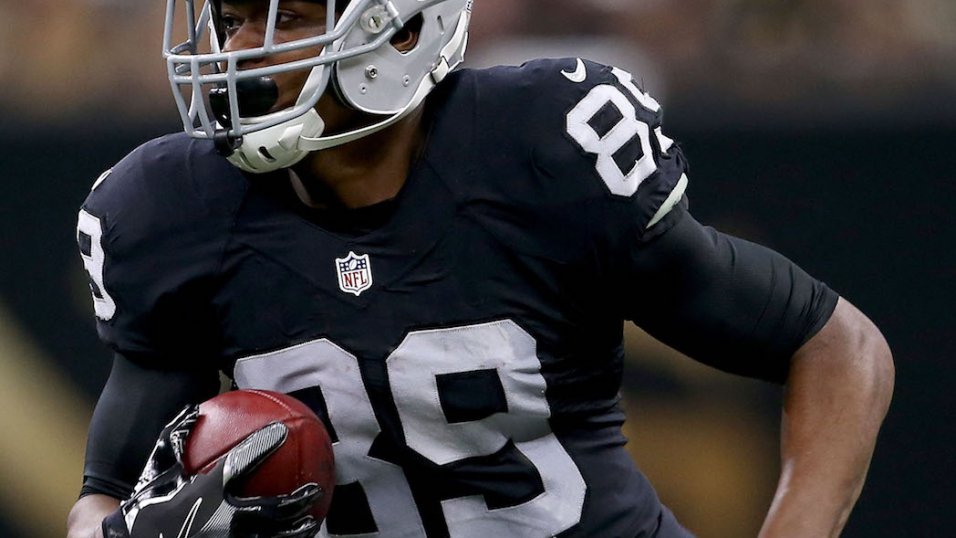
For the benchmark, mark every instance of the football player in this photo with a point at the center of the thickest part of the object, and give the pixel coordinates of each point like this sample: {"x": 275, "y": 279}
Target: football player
{"x": 439, "y": 261}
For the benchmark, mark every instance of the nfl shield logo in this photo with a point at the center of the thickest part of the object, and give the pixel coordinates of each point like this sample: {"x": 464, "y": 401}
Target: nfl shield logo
{"x": 355, "y": 273}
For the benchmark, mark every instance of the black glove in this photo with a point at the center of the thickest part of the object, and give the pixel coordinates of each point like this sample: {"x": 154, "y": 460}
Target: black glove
{"x": 169, "y": 504}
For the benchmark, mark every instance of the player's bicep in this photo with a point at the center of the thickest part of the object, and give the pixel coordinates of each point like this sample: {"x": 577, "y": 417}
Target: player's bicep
{"x": 135, "y": 404}
{"x": 727, "y": 302}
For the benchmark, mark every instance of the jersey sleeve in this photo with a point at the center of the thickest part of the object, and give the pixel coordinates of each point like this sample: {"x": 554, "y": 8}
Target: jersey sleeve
{"x": 609, "y": 204}
{"x": 151, "y": 246}
{"x": 571, "y": 156}
{"x": 599, "y": 129}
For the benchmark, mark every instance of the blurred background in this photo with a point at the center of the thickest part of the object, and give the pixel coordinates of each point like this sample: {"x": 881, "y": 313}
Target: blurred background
{"x": 825, "y": 129}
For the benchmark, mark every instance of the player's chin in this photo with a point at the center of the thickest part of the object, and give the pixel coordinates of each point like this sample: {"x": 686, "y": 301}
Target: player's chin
{"x": 290, "y": 87}
{"x": 282, "y": 104}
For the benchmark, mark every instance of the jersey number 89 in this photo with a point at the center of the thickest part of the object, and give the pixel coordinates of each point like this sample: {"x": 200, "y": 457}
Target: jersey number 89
{"x": 415, "y": 370}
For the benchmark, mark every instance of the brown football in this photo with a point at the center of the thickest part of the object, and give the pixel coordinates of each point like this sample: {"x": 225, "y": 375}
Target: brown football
{"x": 305, "y": 456}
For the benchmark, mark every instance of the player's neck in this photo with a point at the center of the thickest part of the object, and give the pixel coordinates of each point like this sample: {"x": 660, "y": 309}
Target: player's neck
{"x": 362, "y": 172}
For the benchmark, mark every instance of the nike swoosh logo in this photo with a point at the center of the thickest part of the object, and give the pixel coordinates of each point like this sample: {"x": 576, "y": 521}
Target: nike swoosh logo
{"x": 579, "y": 74}
{"x": 190, "y": 517}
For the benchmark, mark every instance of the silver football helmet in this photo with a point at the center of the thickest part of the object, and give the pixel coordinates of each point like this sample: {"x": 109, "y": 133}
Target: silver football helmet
{"x": 356, "y": 56}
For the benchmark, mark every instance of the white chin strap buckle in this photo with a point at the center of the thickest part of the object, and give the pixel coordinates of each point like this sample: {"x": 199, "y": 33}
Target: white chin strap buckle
{"x": 277, "y": 147}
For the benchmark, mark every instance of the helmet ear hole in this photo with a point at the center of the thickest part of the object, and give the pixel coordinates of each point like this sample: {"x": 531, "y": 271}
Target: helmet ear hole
{"x": 406, "y": 39}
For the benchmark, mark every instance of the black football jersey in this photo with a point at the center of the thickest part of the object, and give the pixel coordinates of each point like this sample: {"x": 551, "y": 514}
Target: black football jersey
{"x": 463, "y": 342}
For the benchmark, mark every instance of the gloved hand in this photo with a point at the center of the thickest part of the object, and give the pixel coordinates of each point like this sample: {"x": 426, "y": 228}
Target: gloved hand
{"x": 166, "y": 503}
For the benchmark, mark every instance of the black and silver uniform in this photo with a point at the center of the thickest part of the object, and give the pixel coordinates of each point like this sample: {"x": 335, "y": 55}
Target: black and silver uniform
{"x": 463, "y": 341}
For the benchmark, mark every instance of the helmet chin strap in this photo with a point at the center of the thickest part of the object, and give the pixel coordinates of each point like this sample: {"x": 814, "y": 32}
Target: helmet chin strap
{"x": 290, "y": 142}
{"x": 276, "y": 147}
{"x": 325, "y": 142}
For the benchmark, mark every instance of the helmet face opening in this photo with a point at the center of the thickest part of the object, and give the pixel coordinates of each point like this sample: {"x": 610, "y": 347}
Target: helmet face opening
{"x": 273, "y": 83}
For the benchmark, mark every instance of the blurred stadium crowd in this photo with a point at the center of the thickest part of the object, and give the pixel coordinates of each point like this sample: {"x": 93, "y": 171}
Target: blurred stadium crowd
{"x": 84, "y": 82}
{"x": 804, "y": 61}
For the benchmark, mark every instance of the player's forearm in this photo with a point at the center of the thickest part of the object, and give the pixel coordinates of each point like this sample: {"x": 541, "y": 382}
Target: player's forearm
{"x": 86, "y": 517}
{"x": 837, "y": 394}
